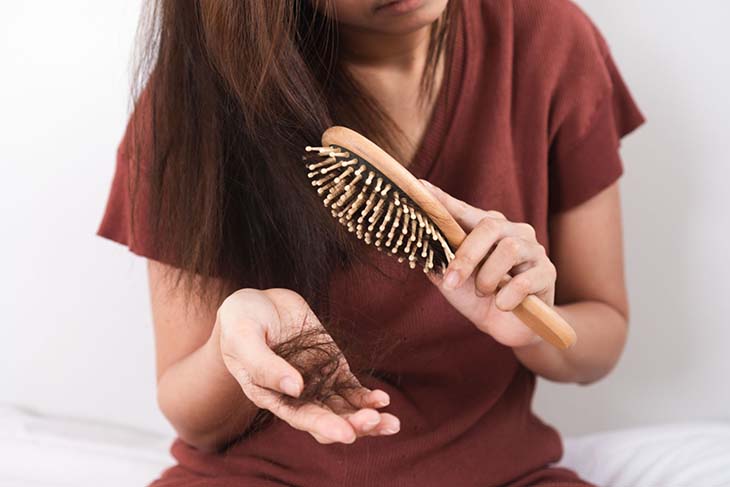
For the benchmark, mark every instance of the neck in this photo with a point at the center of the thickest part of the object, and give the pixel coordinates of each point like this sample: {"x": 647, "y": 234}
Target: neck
{"x": 367, "y": 48}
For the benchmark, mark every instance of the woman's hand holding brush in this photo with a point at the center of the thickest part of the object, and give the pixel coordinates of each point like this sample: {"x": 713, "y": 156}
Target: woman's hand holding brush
{"x": 473, "y": 282}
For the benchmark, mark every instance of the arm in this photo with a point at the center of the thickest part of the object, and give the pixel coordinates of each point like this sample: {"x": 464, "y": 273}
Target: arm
{"x": 216, "y": 368}
{"x": 587, "y": 253}
{"x": 587, "y": 250}
{"x": 195, "y": 392}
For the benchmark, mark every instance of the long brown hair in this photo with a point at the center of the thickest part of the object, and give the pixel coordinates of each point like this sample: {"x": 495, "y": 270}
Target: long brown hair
{"x": 234, "y": 91}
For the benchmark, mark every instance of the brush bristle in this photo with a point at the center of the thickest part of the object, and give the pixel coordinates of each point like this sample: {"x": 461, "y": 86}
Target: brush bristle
{"x": 369, "y": 205}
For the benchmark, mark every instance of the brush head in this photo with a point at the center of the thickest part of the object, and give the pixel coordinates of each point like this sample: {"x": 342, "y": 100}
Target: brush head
{"x": 372, "y": 207}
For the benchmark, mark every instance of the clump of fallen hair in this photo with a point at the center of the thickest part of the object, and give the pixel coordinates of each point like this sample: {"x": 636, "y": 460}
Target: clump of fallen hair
{"x": 319, "y": 354}
{"x": 322, "y": 365}
{"x": 324, "y": 369}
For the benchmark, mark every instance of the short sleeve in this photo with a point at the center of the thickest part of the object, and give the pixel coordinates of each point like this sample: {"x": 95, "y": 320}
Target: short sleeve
{"x": 592, "y": 111}
{"x": 125, "y": 219}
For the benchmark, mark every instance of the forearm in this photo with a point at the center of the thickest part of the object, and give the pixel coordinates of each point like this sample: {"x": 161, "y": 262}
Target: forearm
{"x": 601, "y": 331}
{"x": 202, "y": 400}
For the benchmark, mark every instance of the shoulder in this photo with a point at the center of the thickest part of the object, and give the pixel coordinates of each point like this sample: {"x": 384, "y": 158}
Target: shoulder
{"x": 559, "y": 33}
{"x": 558, "y": 23}
{"x": 560, "y": 57}
{"x": 553, "y": 41}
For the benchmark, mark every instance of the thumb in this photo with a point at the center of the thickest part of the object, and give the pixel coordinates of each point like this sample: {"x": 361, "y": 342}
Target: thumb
{"x": 250, "y": 360}
{"x": 465, "y": 215}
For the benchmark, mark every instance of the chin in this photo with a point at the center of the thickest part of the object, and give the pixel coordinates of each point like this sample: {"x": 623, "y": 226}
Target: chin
{"x": 388, "y": 16}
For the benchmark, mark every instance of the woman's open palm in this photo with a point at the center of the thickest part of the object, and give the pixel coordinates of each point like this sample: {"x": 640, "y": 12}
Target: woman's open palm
{"x": 252, "y": 323}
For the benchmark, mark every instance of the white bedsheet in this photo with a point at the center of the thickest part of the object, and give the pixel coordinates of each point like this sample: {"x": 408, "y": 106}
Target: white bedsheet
{"x": 38, "y": 451}
{"x": 680, "y": 455}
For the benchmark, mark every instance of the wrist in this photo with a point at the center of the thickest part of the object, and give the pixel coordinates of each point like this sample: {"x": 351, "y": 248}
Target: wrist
{"x": 532, "y": 354}
{"x": 546, "y": 361}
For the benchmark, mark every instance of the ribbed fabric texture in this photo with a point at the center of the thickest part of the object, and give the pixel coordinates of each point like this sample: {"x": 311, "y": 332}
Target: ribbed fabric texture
{"x": 529, "y": 126}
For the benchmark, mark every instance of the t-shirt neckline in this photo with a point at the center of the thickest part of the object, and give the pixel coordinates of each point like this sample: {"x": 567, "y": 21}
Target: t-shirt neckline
{"x": 447, "y": 99}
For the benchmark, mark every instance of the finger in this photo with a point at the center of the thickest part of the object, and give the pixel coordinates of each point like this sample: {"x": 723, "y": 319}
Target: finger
{"x": 495, "y": 214}
{"x": 506, "y": 328}
{"x": 477, "y": 244}
{"x": 339, "y": 405}
{"x": 389, "y": 425}
{"x": 250, "y": 360}
{"x": 386, "y": 424}
{"x": 362, "y": 397}
{"x": 363, "y": 421}
{"x": 315, "y": 419}
{"x": 356, "y": 394}
{"x": 536, "y": 280}
{"x": 465, "y": 215}
{"x": 510, "y": 252}
{"x": 321, "y": 439}
{"x": 519, "y": 269}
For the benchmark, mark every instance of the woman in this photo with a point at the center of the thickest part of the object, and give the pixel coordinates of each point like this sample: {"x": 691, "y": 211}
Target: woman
{"x": 512, "y": 109}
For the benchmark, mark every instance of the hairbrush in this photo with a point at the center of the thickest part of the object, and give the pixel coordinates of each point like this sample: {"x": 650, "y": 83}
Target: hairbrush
{"x": 382, "y": 203}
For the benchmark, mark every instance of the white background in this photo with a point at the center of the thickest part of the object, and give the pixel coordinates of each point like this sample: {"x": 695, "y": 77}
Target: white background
{"x": 75, "y": 332}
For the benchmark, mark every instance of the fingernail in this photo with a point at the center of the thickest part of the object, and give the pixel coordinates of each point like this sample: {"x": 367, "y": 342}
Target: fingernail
{"x": 390, "y": 431}
{"x": 382, "y": 402}
{"x": 372, "y": 423}
{"x": 289, "y": 386}
{"x": 501, "y": 302}
{"x": 479, "y": 293}
{"x": 451, "y": 280}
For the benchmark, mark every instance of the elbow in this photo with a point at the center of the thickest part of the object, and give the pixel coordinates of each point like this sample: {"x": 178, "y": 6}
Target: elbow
{"x": 200, "y": 438}
{"x": 607, "y": 362}
{"x": 207, "y": 436}
{"x": 592, "y": 379}
{"x": 211, "y": 441}
{"x": 206, "y": 442}
{"x": 595, "y": 373}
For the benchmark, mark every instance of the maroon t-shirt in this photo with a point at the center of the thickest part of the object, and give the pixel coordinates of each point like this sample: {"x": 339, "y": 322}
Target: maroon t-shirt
{"x": 530, "y": 126}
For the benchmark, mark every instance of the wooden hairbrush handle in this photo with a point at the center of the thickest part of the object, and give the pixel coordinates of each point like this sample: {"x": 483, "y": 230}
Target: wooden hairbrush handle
{"x": 533, "y": 312}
